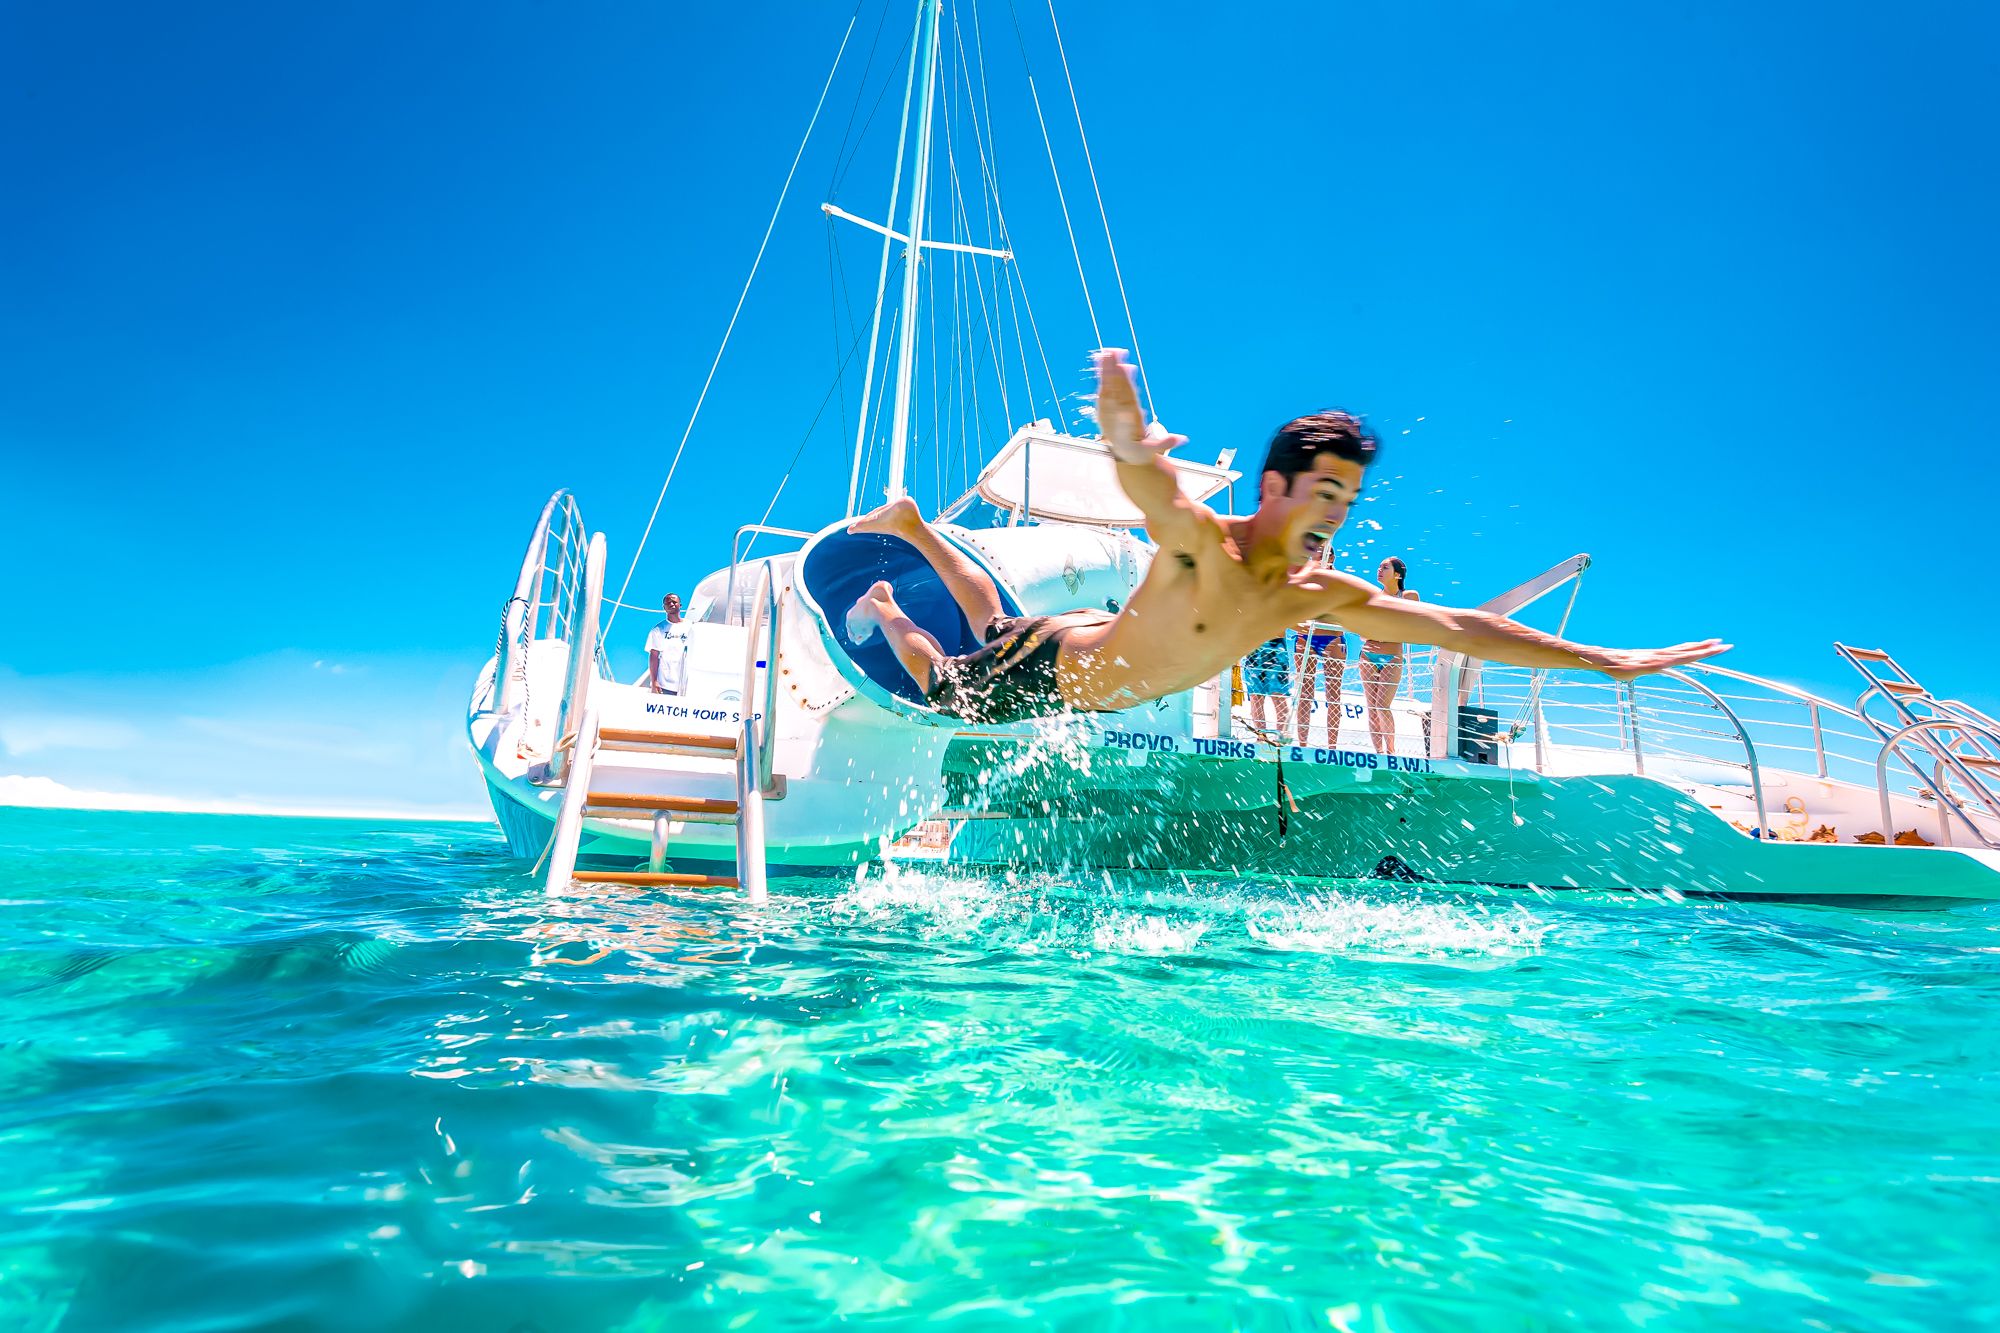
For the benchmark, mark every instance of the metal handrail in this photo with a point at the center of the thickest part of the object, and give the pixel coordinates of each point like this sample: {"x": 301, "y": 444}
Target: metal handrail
{"x": 568, "y": 833}
{"x": 756, "y": 741}
{"x": 1946, "y": 801}
{"x": 1742, "y": 733}
{"x": 736, "y": 557}
{"x": 768, "y": 602}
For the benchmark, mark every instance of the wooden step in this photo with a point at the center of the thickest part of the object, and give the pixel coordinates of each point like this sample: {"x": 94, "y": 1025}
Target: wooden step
{"x": 650, "y": 801}
{"x": 637, "y": 738}
{"x": 664, "y": 878}
{"x": 1978, "y": 761}
{"x": 1868, "y": 654}
{"x": 1905, "y": 688}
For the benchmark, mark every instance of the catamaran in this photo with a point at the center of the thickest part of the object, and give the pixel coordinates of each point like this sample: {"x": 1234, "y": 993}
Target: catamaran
{"x": 790, "y": 748}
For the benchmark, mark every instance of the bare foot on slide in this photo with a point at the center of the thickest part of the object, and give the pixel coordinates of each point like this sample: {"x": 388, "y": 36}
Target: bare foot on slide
{"x": 864, "y": 620}
{"x": 893, "y": 519}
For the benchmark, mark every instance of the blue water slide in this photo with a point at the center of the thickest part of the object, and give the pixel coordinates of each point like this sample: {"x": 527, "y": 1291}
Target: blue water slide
{"x": 837, "y": 566}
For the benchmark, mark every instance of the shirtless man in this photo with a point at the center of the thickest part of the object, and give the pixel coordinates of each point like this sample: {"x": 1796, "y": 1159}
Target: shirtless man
{"x": 1217, "y": 587}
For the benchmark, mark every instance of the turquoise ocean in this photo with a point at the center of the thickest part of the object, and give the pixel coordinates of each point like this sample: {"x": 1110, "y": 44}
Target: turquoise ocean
{"x": 304, "y": 1074}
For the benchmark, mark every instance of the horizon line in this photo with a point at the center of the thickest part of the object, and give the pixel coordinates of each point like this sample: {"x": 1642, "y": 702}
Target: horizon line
{"x": 26, "y": 792}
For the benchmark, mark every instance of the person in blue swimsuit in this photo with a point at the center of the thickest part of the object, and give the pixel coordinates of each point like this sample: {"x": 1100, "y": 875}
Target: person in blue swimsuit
{"x": 1382, "y": 663}
{"x": 1316, "y": 644}
{"x": 1265, "y": 676}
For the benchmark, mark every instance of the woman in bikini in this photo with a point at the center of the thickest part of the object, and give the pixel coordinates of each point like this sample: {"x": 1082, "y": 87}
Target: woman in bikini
{"x": 1382, "y": 663}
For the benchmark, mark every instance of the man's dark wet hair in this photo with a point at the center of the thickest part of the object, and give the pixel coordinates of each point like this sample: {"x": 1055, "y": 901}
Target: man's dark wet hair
{"x": 1298, "y": 442}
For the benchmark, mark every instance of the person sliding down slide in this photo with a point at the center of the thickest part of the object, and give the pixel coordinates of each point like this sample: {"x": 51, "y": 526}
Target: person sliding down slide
{"x": 1217, "y": 587}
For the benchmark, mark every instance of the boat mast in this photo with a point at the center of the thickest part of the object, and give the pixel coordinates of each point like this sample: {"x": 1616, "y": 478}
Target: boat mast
{"x": 912, "y": 256}
{"x": 882, "y": 274}
{"x": 930, "y": 18}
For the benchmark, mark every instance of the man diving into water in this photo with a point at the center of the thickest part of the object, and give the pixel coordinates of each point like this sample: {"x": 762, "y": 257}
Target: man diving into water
{"x": 1217, "y": 587}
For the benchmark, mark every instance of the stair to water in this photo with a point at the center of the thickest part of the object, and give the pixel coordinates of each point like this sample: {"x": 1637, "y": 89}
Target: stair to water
{"x": 749, "y": 754}
{"x": 667, "y": 742}
{"x": 626, "y": 804}
{"x": 659, "y": 878}
{"x": 584, "y": 799}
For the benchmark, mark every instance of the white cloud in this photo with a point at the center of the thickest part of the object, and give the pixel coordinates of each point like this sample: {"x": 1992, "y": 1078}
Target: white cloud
{"x": 311, "y": 740}
{"x": 47, "y": 731}
{"x": 46, "y": 793}
{"x": 271, "y": 732}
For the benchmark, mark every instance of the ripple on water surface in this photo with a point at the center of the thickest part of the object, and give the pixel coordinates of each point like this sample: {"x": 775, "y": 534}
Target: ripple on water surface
{"x": 308, "y": 1074}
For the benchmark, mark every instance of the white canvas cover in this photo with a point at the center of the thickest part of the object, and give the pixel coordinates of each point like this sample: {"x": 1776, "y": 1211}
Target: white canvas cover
{"x": 1067, "y": 479}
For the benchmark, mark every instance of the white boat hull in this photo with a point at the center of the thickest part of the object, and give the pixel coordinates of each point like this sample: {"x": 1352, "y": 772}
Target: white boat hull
{"x": 860, "y": 764}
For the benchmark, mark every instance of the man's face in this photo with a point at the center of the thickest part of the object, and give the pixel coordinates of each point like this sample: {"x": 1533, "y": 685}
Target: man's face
{"x": 1312, "y": 508}
{"x": 672, "y": 605}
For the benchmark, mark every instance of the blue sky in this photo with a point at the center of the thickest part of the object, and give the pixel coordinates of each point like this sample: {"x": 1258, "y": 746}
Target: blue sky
{"x": 305, "y": 310}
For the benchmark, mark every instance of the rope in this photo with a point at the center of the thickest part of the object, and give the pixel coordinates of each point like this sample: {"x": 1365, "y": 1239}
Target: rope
{"x": 1144, "y": 382}
{"x": 500, "y": 649}
{"x": 769, "y": 227}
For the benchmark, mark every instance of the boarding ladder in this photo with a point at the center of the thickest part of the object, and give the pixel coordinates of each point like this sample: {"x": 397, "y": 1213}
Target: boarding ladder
{"x": 1964, "y": 741}
{"x": 749, "y": 751}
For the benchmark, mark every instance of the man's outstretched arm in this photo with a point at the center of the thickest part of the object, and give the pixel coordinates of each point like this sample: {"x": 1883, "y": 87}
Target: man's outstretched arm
{"x": 1376, "y": 615}
{"x": 1149, "y": 479}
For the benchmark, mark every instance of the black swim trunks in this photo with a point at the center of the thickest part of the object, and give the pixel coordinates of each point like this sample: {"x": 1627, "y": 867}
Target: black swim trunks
{"x": 1014, "y": 676}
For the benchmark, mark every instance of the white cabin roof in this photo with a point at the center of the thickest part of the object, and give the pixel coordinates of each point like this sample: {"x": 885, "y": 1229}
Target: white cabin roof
{"x": 1067, "y": 479}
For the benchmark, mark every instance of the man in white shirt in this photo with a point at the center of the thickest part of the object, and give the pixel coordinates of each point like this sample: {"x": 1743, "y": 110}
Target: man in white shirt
{"x": 666, "y": 650}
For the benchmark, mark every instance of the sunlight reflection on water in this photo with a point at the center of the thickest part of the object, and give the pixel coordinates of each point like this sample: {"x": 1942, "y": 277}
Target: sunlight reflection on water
{"x": 329, "y": 1076}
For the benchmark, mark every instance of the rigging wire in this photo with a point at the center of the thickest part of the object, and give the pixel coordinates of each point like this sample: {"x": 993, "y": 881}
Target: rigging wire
{"x": 833, "y": 292}
{"x": 864, "y": 458}
{"x": 927, "y": 275}
{"x": 1083, "y": 279}
{"x": 839, "y": 171}
{"x": 988, "y": 201}
{"x": 839, "y": 378}
{"x": 755, "y": 263}
{"x": 1014, "y": 271}
{"x": 966, "y": 278}
{"x": 1132, "y": 328}
{"x": 989, "y": 170}
{"x": 1063, "y": 200}
{"x": 862, "y": 443}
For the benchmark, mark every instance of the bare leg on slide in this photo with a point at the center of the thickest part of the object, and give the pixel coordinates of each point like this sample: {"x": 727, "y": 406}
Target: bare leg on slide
{"x": 913, "y": 645}
{"x": 969, "y": 585}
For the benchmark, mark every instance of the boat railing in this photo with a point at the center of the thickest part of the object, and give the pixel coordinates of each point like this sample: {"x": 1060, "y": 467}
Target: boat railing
{"x": 548, "y": 596}
{"x": 1948, "y": 799}
{"x": 586, "y": 657}
{"x": 1703, "y": 724}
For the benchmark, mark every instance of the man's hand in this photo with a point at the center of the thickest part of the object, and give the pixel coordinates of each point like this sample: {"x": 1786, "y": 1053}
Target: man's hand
{"x": 1374, "y": 614}
{"x": 1628, "y": 663}
{"x": 1145, "y": 473}
{"x": 1119, "y": 419}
